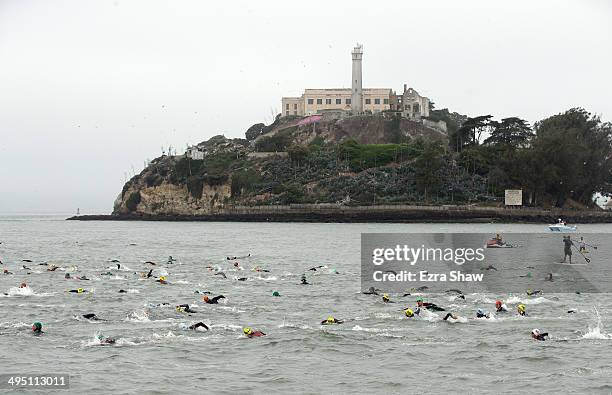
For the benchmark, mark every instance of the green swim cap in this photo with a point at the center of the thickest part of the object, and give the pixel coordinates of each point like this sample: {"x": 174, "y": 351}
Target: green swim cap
{"x": 419, "y": 299}
{"x": 275, "y": 293}
{"x": 37, "y": 325}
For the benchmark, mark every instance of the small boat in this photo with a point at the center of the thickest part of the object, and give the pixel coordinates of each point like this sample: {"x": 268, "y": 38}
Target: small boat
{"x": 562, "y": 228}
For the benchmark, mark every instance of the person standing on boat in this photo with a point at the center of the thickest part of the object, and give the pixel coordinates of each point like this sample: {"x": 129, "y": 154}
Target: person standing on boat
{"x": 567, "y": 248}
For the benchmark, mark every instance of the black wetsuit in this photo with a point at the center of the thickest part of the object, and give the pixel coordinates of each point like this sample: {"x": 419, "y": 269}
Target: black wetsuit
{"x": 186, "y": 308}
{"x": 92, "y": 316}
{"x": 215, "y": 300}
{"x": 432, "y": 306}
{"x": 541, "y": 336}
{"x": 198, "y": 325}
{"x": 335, "y": 321}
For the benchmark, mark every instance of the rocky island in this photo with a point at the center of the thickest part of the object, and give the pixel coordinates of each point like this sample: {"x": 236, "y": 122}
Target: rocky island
{"x": 382, "y": 167}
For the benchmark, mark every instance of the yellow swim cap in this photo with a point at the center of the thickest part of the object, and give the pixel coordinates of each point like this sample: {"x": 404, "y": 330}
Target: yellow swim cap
{"x": 331, "y": 319}
{"x": 385, "y": 296}
{"x": 409, "y": 312}
{"x": 247, "y": 330}
{"x": 521, "y": 307}
{"x": 162, "y": 278}
{"x": 80, "y": 290}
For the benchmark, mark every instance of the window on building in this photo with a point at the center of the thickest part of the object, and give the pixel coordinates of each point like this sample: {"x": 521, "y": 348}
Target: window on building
{"x": 338, "y": 101}
{"x": 294, "y": 112}
{"x": 327, "y": 101}
{"x": 310, "y": 101}
{"x": 386, "y": 101}
{"x": 368, "y": 101}
{"x": 407, "y": 107}
{"x": 348, "y": 101}
{"x": 287, "y": 106}
{"x": 415, "y": 108}
{"x": 287, "y": 112}
{"x": 295, "y": 106}
{"x": 376, "y": 101}
{"x": 319, "y": 101}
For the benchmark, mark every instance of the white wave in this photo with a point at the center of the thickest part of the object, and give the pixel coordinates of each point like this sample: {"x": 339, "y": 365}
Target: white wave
{"x": 181, "y": 282}
{"x": 526, "y": 300}
{"x": 294, "y": 325}
{"x": 271, "y": 278}
{"x": 137, "y": 316}
{"x": 360, "y": 329}
{"x": 595, "y": 330}
{"x": 9, "y": 324}
{"x": 25, "y": 291}
{"x": 133, "y": 291}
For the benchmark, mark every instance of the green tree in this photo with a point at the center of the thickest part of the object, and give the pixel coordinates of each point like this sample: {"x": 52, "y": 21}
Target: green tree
{"x": 510, "y": 133}
{"x": 573, "y": 156}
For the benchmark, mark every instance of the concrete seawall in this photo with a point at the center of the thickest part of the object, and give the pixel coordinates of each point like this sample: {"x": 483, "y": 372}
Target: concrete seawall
{"x": 381, "y": 213}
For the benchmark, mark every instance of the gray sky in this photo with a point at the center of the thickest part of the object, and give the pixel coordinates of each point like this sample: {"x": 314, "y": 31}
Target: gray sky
{"x": 91, "y": 89}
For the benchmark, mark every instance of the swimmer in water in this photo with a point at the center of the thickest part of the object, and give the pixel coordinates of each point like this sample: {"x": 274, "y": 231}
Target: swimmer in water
{"x": 521, "y": 310}
{"x": 250, "y": 333}
{"x": 331, "y": 321}
{"x": 162, "y": 280}
{"x": 198, "y": 325}
{"x": 532, "y": 293}
{"x": 92, "y": 317}
{"x": 315, "y": 268}
{"x": 23, "y": 285}
{"x": 481, "y": 313}
{"x": 412, "y": 313}
{"x": 52, "y": 268}
{"x": 221, "y": 274}
{"x": 451, "y": 315}
{"x": 536, "y": 334}
{"x": 37, "y": 328}
{"x": 372, "y": 291}
{"x": 303, "y": 280}
{"x": 500, "y": 307}
{"x": 170, "y": 259}
{"x": 214, "y": 300}
{"x": 5, "y": 271}
{"x": 184, "y": 308}
{"x": 386, "y": 299}
{"x": 105, "y": 340}
{"x": 428, "y": 305}
{"x": 77, "y": 291}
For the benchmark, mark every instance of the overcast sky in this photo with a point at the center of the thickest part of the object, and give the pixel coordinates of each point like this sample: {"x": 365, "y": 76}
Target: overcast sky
{"x": 91, "y": 89}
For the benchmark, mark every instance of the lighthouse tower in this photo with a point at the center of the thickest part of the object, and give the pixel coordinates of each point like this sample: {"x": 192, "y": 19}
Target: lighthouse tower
{"x": 357, "y": 89}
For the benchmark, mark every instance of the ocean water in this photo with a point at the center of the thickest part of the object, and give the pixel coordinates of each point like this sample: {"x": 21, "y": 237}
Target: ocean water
{"x": 376, "y": 350}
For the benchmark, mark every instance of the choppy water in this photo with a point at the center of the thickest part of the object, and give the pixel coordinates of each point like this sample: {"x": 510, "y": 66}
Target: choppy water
{"x": 376, "y": 350}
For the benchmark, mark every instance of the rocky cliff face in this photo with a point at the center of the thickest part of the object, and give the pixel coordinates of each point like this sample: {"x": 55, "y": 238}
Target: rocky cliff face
{"x": 308, "y": 160}
{"x": 171, "y": 199}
